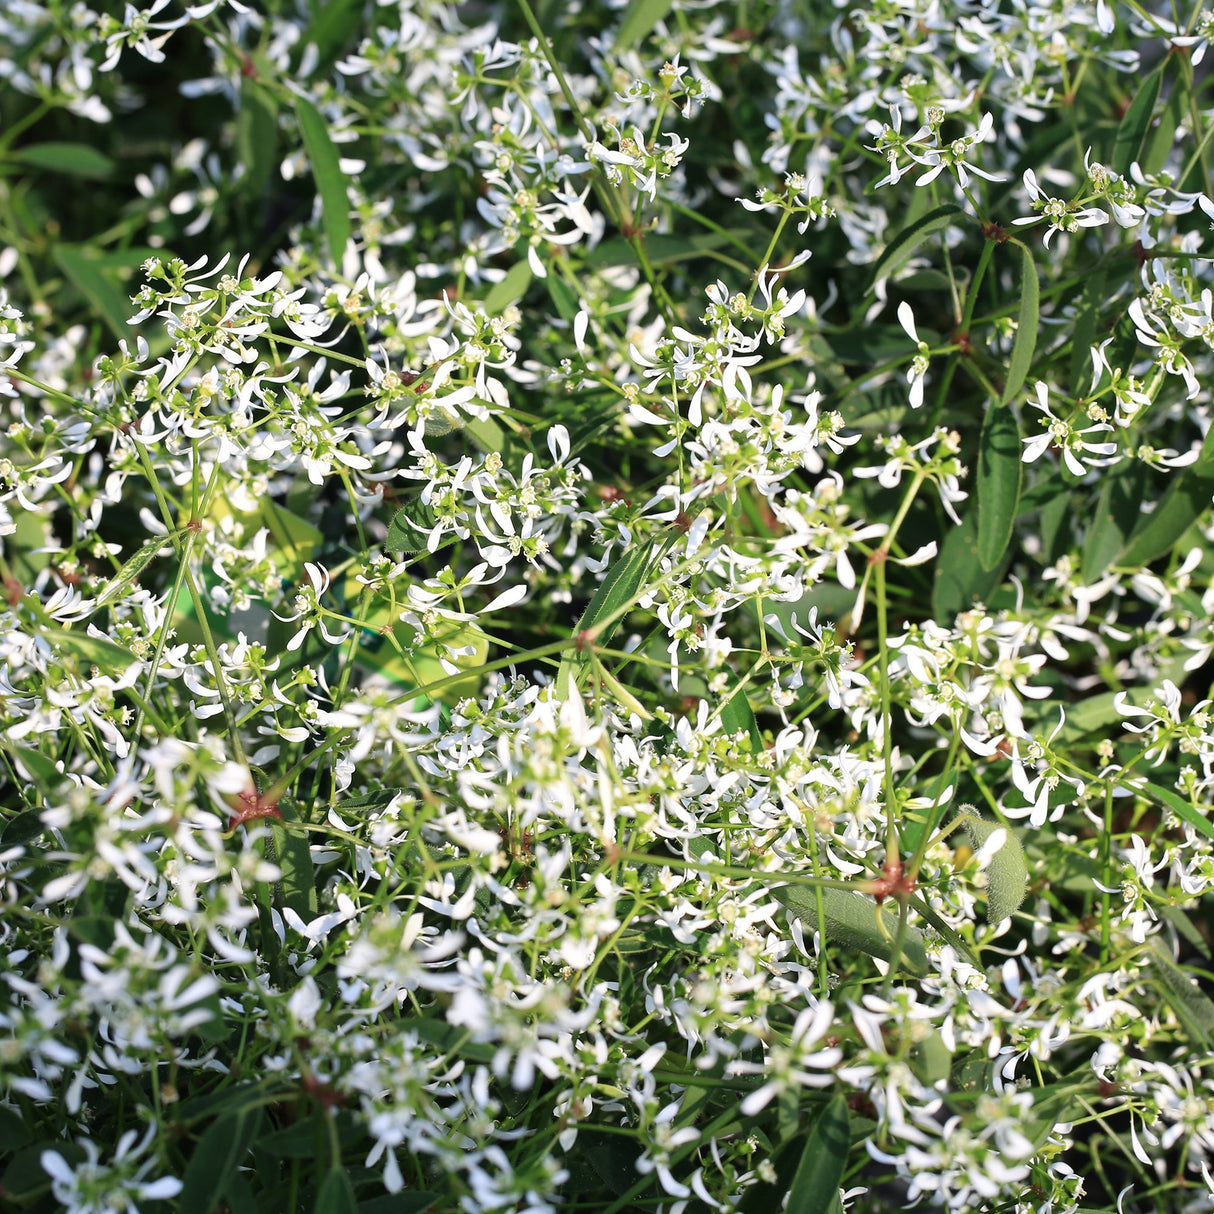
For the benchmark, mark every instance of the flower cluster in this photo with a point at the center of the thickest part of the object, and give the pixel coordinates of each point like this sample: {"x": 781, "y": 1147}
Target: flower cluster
{"x": 606, "y": 608}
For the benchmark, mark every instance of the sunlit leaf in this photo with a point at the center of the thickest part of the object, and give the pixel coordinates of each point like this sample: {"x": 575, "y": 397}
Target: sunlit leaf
{"x": 330, "y": 180}
{"x": 857, "y": 921}
{"x": 1007, "y": 874}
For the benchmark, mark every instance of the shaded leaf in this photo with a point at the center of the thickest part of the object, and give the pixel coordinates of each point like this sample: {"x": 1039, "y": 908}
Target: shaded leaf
{"x": 417, "y": 1202}
{"x": 257, "y": 134}
{"x": 1188, "y": 496}
{"x": 1025, "y": 342}
{"x": 71, "y": 159}
{"x": 331, "y": 28}
{"x": 1000, "y": 474}
{"x": 215, "y": 1159}
{"x": 639, "y": 19}
{"x": 616, "y": 593}
{"x": 1133, "y": 127}
{"x": 330, "y": 180}
{"x": 294, "y": 857}
{"x": 91, "y": 281}
{"x": 511, "y": 288}
{"x": 37, "y": 767}
{"x": 24, "y": 1177}
{"x": 902, "y": 247}
{"x": 563, "y": 298}
{"x": 815, "y": 1187}
{"x": 1118, "y": 511}
{"x": 336, "y": 1194}
{"x": 109, "y": 658}
{"x": 1158, "y": 145}
{"x": 411, "y": 526}
{"x": 117, "y": 586}
{"x": 960, "y": 578}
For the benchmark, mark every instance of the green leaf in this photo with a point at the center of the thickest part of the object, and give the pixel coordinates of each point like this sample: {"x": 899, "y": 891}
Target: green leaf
{"x": 960, "y": 578}
{"x": 116, "y": 587}
{"x": 109, "y": 658}
{"x": 417, "y": 1202}
{"x": 902, "y": 248}
{"x": 1159, "y": 142}
{"x": 411, "y": 526}
{"x": 1025, "y": 342}
{"x": 1085, "y": 328}
{"x": 815, "y": 1187}
{"x": 511, "y": 288}
{"x": 295, "y": 537}
{"x": 857, "y": 921}
{"x": 1181, "y": 808}
{"x": 71, "y": 159}
{"x": 639, "y": 19}
{"x": 1118, "y": 510}
{"x": 661, "y": 249}
{"x": 1134, "y": 124}
{"x": 931, "y": 1059}
{"x": 336, "y": 1194}
{"x": 257, "y": 135}
{"x": 1194, "y": 1011}
{"x": 737, "y": 716}
{"x": 331, "y": 28}
{"x": 1000, "y": 474}
{"x": 14, "y": 1131}
{"x": 330, "y": 180}
{"x": 616, "y": 593}
{"x": 1007, "y": 874}
{"x": 215, "y": 1160}
{"x": 564, "y": 299}
{"x": 1187, "y": 498}
{"x": 296, "y": 1141}
{"x": 294, "y": 858}
{"x": 37, "y": 767}
{"x": 24, "y": 1179}
{"x": 95, "y": 286}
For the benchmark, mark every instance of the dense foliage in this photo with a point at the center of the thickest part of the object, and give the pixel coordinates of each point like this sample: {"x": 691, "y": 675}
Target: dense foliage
{"x": 606, "y": 608}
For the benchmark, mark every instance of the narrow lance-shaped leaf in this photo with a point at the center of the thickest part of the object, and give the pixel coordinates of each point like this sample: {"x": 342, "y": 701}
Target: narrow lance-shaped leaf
{"x": 1134, "y": 125}
{"x": 902, "y": 248}
{"x": 1188, "y": 496}
{"x": 815, "y": 1187}
{"x": 336, "y": 1195}
{"x": 1181, "y": 808}
{"x": 330, "y": 180}
{"x": 857, "y": 921}
{"x": 215, "y": 1160}
{"x": 737, "y": 716}
{"x": 639, "y": 19}
{"x": 298, "y": 886}
{"x": 95, "y": 286}
{"x": 1194, "y": 1011}
{"x": 1007, "y": 873}
{"x": 71, "y": 159}
{"x": 1000, "y": 473}
{"x": 116, "y": 587}
{"x": 512, "y": 287}
{"x": 109, "y": 658}
{"x": 618, "y": 590}
{"x": 1025, "y": 342}
{"x": 1118, "y": 510}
